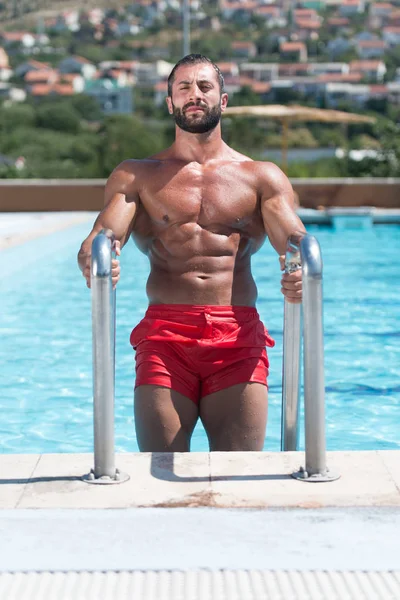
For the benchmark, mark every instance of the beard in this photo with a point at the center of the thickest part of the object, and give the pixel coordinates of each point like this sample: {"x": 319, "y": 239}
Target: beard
{"x": 199, "y": 124}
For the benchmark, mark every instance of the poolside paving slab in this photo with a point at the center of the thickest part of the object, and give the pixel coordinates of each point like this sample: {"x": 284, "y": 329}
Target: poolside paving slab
{"x": 156, "y": 479}
{"x": 201, "y": 479}
{"x": 15, "y": 473}
{"x": 262, "y": 480}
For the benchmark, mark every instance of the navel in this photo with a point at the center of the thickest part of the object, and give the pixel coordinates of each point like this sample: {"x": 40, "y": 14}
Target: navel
{"x": 166, "y": 219}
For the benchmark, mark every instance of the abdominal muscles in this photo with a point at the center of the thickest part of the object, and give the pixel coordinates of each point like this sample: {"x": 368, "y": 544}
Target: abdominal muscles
{"x": 191, "y": 264}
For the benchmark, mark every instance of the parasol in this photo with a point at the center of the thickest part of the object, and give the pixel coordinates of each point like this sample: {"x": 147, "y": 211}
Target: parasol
{"x": 286, "y": 114}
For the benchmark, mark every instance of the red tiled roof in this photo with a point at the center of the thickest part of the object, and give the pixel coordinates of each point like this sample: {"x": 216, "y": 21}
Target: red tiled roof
{"x": 41, "y": 89}
{"x": 365, "y": 65}
{"x": 292, "y": 46}
{"x": 307, "y": 24}
{"x": 340, "y": 77}
{"x": 242, "y": 44}
{"x": 371, "y": 44}
{"x": 378, "y": 89}
{"x": 273, "y": 10}
{"x": 41, "y": 75}
{"x": 386, "y": 5}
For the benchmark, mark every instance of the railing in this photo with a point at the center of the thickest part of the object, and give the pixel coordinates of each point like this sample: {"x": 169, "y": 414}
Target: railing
{"x": 103, "y": 326}
{"x": 303, "y": 252}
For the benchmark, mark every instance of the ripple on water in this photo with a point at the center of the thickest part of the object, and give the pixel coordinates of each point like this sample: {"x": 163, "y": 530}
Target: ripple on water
{"x": 46, "y": 351}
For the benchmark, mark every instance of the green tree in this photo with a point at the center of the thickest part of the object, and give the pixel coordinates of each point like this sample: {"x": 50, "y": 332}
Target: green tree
{"x": 16, "y": 115}
{"x": 124, "y": 137}
{"x": 87, "y": 107}
{"x": 58, "y": 117}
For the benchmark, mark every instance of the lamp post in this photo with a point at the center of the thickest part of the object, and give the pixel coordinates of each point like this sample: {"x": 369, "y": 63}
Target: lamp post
{"x": 186, "y": 27}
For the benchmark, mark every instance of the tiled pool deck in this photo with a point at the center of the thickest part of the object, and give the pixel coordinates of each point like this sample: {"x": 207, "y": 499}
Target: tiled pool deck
{"x": 192, "y": 519}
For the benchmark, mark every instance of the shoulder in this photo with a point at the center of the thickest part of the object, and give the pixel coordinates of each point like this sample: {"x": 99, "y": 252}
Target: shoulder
{"x": 271, "y": 179}
{"x": 130, "y": 171}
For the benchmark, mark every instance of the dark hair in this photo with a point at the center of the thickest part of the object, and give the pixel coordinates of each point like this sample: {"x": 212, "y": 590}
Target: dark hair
{"x": 193, "y": 59}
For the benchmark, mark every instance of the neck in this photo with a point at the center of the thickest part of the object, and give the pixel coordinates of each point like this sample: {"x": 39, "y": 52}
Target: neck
{"x": 199, "y": 147}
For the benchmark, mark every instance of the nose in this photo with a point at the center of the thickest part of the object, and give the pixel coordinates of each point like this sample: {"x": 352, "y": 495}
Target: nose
{"x": 195, "y": 93}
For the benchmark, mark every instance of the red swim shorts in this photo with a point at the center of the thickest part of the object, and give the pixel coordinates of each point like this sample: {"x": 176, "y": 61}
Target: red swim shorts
{"x": 199, "y": 350}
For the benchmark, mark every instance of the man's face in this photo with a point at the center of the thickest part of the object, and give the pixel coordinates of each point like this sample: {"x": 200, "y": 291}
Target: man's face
{"x": 196, "y": 102}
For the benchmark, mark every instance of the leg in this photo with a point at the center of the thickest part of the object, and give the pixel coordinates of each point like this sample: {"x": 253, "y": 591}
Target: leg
{"x": 236, "y": 418}
{"x": 164, "y": 419}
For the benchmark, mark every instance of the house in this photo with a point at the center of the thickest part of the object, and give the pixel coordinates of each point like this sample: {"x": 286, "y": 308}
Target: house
{"x": 66, "y": 21}
{"x": 307, "y": 28}
{"x": 338, "y": 46}
{"x": 5, "y": 70}
{"x": 160, "y": 92}
{"x": 340, "y": 78}
{"x": 7, "y": 161}
{"x": 11, "y": 93}
{"x": 273, "y": 15}
{"x": 350, "y": 8}
{"x": 394, "y": 92}
{"x": 31, "y": 65}
{"x": 228, "y": 69}
{"x": 326, "y": 68}
{"x": 391, "y": 36}
{"x": 394, "y": 20}
{"x": 286, "y": 70}
{"x": 372, "y": 70}
{"x": 148, "y": 74}
{"x": 127, "y": 27}
{"x": 356, "y": 94}
{"x": 335, "y": 24}
{"x": 307, "y": 14}
{"x": 367, "y": 49}
{"x": 245, "y": 50}
{"x": 262, "y": 88}
{"x": 239, "y": 11}
{"x": 112, "y": 98}
{"x": 77, "y": 64}
{"x": 23, "y": 39}
{"x": 41, "y": 76}
{"x": 295, "y": 50}
{"x": 40, "y": 90}
{"x": 260, "y": 71}
{"x": 381, "y": 9}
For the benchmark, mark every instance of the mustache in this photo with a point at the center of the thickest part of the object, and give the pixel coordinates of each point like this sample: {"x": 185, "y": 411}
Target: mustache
{"x": 191, "y": 104}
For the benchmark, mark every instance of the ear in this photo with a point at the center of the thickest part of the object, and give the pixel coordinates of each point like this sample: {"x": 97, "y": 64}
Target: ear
{"x": 169, "y": 104}
{"x": 224, "y": 101}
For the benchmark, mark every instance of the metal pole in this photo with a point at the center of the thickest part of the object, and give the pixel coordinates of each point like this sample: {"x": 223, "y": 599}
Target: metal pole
{"x": 291, "y": 355}
{"x": 103, "y": 324}
{"x": 186, "y": 27}
{"x": 314, "y": 388}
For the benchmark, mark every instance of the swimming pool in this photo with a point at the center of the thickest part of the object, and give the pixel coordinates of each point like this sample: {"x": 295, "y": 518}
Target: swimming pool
{"x": 46, "y": 352}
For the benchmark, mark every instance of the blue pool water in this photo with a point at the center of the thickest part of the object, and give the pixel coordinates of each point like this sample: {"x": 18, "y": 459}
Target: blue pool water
{"x": 46, "y": 352}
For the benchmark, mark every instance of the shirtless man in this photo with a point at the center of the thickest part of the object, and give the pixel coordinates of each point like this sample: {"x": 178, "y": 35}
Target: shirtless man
{"x": 199, "y": 210}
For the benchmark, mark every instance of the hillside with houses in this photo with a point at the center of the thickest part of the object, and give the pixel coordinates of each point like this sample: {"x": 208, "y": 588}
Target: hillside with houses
{"x": 329, "y": 54}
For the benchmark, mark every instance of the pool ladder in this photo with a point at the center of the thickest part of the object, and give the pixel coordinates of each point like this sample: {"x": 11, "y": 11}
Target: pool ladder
{"x": 303, "y": 252}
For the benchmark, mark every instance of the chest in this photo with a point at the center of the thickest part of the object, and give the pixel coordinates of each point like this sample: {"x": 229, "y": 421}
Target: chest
{"x": 202, "y": 195}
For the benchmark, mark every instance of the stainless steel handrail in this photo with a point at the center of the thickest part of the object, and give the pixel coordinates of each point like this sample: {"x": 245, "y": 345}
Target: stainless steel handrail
{"x": 103, "y": 326}
{"x": 291, "y": 355}
{"x": 306, "y": 248}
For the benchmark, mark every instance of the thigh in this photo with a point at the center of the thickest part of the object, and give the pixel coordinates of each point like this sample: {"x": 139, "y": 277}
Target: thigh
{"x": 164, "y": 419}
{"x": 236, "y": 418}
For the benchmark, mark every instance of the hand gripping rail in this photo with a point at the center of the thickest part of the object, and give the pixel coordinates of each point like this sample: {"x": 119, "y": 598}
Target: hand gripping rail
{"x": 103, "y": 324}
{"x": 303, "y": 252}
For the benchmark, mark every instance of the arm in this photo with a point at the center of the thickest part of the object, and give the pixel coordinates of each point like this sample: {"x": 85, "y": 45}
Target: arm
{"x": 121, "y": 200}
{"x": 281, "y": 221}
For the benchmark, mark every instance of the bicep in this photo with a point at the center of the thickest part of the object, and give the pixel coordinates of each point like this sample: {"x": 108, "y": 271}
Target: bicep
{"x": 278, "y": 212}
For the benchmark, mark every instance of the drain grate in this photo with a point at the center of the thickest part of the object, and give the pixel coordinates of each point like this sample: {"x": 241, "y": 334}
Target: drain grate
{"x": 202, "y": 585}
